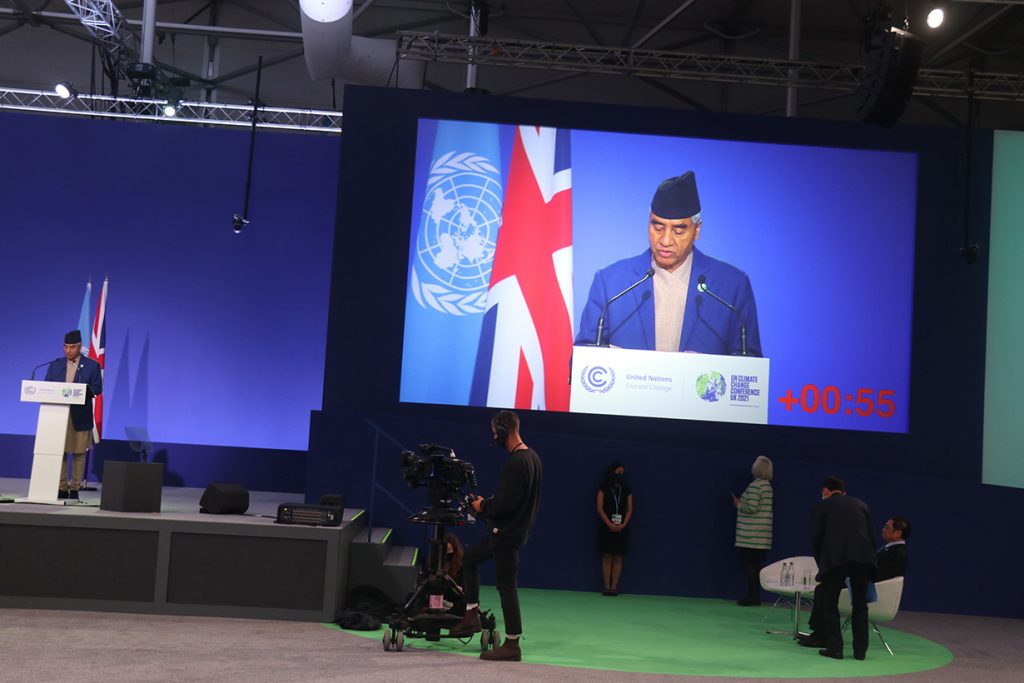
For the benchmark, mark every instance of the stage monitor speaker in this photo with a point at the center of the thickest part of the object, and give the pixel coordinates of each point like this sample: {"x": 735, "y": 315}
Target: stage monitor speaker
{"x": 224, "y": 498}
{"x": 332, "y": 499}
{"x": 893, "y": 60}
{"x": 131, "y": 486}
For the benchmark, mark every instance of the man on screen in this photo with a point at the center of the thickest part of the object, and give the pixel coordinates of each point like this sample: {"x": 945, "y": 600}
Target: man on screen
{"x": 74, "y": 367}
{"x": 672, "y": 307}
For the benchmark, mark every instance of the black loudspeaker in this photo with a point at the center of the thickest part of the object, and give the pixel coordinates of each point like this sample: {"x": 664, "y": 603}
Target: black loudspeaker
{"x": 333, "y": 500}
{"x": 223, "y": 498}
{"x": 893, "y": 59}
{"x": 131, "y": 486}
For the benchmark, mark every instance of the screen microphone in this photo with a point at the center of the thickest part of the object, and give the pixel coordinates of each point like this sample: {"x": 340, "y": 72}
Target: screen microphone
{"x": 41, "y": 365}
{"x": 702, "y": 286}
{"x": 600, "y": 321}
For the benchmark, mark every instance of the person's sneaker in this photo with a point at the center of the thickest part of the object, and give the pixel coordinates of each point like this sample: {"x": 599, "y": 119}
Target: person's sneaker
{"x": 508, "y": 652}
{"x": 62, "y": 494}
{"x": 834, "y": 654}
{"x": 469, "y": 625}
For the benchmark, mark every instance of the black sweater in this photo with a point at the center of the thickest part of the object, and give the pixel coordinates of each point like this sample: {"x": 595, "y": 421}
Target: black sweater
{"x": 512, "y": 510}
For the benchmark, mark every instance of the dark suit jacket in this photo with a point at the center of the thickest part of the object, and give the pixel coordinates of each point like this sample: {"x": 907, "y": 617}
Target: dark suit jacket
{"x": 892, "y": 562}
{"x": 842, "y": 532}
{"x": 89, "y": 374}
{"x": 708, "y": 326}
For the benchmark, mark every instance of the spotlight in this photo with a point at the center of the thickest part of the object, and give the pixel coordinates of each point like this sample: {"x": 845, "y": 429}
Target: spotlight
{"x": 238, "y": 222}
{"x": 937, "y": 13}
{"x": 170, "y": 109}
{"x": 65, "y": 91}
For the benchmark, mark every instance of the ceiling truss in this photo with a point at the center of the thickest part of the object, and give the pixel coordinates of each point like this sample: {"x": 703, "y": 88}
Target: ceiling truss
{"x": 483, "y": 50}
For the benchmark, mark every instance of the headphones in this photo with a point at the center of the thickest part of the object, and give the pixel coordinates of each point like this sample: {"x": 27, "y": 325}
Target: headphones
{"x": 501, "y": 421}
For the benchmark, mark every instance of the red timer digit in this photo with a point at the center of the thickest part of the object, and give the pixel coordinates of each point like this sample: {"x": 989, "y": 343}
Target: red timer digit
{"x": 830, "y": 400}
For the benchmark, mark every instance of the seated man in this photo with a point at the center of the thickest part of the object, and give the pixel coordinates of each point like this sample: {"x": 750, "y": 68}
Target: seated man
{"x": 892, "y": 562}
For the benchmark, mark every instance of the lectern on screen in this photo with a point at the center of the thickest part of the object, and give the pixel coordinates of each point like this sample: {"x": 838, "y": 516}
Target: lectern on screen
{"x": 512, "y": 226}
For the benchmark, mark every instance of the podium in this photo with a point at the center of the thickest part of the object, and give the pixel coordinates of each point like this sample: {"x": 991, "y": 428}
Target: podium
{"x": 55, "y": 400}
{"x": 693, "y": 386}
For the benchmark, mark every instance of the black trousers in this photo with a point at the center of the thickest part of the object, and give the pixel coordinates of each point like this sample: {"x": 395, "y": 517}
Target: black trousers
{"x": 752, "y": 560}
{"x": 506, "y": 568}
{"x": 832, "y": 583}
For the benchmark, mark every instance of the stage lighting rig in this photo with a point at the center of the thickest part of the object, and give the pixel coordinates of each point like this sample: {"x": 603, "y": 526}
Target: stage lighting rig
{"x": 238, "y": 222}
{"x": 65, "y": 90}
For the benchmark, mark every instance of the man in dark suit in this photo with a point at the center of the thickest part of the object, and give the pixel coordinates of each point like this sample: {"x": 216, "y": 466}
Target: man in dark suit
{"x": 891, "y": 562}
{"x": 842, "y": 536}
{"x": 668, "y": 311}
{"x": 74, "y": 367}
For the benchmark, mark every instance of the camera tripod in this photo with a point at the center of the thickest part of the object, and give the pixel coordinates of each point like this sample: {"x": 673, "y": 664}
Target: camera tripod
{"x": 423, "y": 615}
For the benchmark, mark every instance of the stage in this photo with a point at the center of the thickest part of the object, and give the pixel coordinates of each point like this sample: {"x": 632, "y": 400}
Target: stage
{"x": 177, "y": 561}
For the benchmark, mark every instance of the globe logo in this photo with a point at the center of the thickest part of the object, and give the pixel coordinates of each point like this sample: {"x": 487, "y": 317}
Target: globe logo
{"x": 597, "y": 379}
{"x": 458, "y": 233}
{"x": 29, "y": 391}
{"x": 711, "y": 386}
{"x": 65, "y": 392}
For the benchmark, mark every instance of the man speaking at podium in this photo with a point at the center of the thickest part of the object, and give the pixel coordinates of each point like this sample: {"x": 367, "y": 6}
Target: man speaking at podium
{"x": 75, "y": 367}
{"x": 672, "y": 297}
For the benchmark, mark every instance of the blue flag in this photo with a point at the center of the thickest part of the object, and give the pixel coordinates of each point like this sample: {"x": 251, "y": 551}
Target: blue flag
{"x": 458, "y": 202}
{"x": 84, "y": 322}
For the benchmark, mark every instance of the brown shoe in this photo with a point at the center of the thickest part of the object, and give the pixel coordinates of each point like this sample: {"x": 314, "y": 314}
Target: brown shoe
{"x": 469, "y": 625}
{"x": 508, "y": 652}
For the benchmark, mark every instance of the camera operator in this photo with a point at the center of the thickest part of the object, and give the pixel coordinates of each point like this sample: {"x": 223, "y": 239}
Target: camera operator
{"x": 509, "y": 514}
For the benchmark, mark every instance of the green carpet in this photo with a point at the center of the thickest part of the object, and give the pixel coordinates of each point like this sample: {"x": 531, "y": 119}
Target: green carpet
{"x": 686, "y": 636}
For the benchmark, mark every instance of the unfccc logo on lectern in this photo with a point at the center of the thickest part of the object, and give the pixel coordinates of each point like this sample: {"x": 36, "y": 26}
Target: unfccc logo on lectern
{"x": 30, "y": 391}
{"x": 597, "y": 379}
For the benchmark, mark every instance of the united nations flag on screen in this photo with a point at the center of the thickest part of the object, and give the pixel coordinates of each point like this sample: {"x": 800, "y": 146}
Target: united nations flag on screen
{"x": 450, "y": 259}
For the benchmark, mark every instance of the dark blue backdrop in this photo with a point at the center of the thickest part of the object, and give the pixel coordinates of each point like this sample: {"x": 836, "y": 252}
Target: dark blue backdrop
{"x": 682, "y": 471}
{"x": 215, "y": 341}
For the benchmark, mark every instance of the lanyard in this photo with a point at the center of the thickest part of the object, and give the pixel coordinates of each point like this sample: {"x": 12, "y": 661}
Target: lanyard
{"x": 616, "y": 491}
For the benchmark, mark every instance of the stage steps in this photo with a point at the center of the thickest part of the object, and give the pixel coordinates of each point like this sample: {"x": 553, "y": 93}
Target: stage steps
{"x": 376, "y": 561}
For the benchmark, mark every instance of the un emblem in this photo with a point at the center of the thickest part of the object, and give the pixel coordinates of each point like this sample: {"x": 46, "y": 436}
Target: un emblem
{"x": 458, "y": 233}
{"x": 597, "y": 379}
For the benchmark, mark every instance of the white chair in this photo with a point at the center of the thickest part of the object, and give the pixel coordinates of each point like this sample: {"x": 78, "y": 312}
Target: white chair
{"x": 803, "y": 570}
{"x": 881, "y": 611}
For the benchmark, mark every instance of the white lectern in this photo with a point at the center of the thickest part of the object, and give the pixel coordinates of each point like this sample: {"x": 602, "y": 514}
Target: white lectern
{"x": 55, "y": 400}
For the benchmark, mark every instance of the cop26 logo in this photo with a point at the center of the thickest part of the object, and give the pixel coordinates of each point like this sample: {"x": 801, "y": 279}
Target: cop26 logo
{"x": 597, "y": 379}
{"x": 458, "y": 234}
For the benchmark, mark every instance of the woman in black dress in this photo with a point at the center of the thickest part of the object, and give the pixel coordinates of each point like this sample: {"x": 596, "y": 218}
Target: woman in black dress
{"x": 615, "y": 509}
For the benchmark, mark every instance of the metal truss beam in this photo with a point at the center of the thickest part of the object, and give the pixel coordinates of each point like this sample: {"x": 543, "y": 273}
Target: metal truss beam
{"x": 765, "y": 71}
{"x": 195, "y": 113}
{"x": 103, "y": 20}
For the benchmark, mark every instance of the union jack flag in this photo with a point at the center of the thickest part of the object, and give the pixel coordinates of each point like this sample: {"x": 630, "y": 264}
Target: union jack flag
{"x": 98, "y": 352}
{"x": 526, "y": 340}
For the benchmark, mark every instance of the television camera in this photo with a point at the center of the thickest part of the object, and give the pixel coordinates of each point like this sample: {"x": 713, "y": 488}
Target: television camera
{"x": 449, "y": 482}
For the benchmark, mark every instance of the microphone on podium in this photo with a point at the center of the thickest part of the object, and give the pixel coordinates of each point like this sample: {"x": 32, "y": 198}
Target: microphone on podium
{"x": 600, "y": 321}
{"x": 40, "y": 366}
{"x": 702, "y": 286}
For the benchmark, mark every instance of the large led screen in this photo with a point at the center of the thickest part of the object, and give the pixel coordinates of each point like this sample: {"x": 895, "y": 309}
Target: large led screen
{"x": 783, "y": 296}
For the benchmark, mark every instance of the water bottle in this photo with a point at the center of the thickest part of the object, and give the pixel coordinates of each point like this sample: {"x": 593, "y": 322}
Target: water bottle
{"x": 789, "y": 575}
{"x": 785, "y": 573}
{"x": 782, "y": 575}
